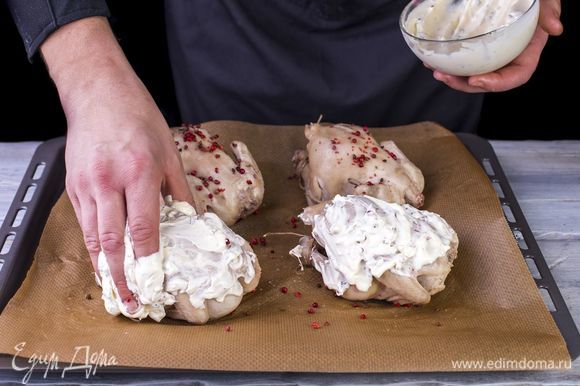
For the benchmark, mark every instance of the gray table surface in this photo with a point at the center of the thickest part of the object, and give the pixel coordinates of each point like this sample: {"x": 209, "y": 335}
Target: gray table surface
{"x": 545, "y": 177}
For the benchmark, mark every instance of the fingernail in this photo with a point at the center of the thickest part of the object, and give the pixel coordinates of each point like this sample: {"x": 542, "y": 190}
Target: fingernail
{"x": 131, "y": 305}
{"x": 439, "y": 76}
{"x": 478, "y": 83}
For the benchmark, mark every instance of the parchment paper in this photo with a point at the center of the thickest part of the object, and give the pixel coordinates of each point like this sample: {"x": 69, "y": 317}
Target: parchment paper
{"x": 490, "y": 310}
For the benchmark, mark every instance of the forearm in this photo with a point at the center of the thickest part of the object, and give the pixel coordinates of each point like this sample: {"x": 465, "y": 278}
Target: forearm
{"x": 87, "y": 64}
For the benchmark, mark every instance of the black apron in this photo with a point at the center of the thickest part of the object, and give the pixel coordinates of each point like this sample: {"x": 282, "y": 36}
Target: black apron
{"x": 288, "y": 61}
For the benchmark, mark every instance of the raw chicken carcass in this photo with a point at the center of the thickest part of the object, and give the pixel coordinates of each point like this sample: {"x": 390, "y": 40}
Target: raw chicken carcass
{"x": 231, "y": 189}
{"x": 200, "y": 273}
{"x": 346, "y": 159}
{"x": 366, "y": 248}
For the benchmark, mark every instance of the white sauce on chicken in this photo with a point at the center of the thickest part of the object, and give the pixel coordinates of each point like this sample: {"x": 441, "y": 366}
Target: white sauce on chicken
{"x": 199, "y": 255}
{"x": 364, "y": 237}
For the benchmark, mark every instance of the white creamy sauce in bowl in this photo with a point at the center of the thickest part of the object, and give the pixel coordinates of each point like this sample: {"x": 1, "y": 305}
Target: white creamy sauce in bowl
{"x": 469, "y": 37}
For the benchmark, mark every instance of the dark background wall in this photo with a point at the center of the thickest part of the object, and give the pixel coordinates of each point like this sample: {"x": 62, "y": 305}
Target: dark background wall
{"x": 30, "y": 110}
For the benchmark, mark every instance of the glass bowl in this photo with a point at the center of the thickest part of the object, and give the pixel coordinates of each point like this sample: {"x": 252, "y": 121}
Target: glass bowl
{"x": 473, "y": 55}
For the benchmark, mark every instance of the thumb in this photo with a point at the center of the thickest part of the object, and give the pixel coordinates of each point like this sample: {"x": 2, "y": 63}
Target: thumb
{"x": 175, "y": 183}
{"x": 550, "y": 11}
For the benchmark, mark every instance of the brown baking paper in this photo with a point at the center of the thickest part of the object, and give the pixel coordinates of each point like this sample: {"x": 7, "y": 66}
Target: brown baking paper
{"x": 490, "y": 311}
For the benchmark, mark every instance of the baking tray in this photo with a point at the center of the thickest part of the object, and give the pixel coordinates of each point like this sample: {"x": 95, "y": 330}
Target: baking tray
{"x": 23, "y": 235}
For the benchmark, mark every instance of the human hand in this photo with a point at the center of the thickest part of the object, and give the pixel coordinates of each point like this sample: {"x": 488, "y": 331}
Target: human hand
{"x": 522, "y": 68}
{"x": 120, "y": 153}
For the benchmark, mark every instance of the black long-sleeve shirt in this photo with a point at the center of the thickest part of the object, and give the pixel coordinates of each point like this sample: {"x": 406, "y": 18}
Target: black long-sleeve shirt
{"x": 284, "y": 61}
{"x": 37, "y": 19}
{"x": 288, "y": 61}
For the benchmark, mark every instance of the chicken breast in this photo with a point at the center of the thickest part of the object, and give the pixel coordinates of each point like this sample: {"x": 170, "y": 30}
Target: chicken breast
{"x": 366, "y": 248}
{"x": 346, "y": 159}
{"x": 200, "y": 273}
{"x": 232, "y": 189}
